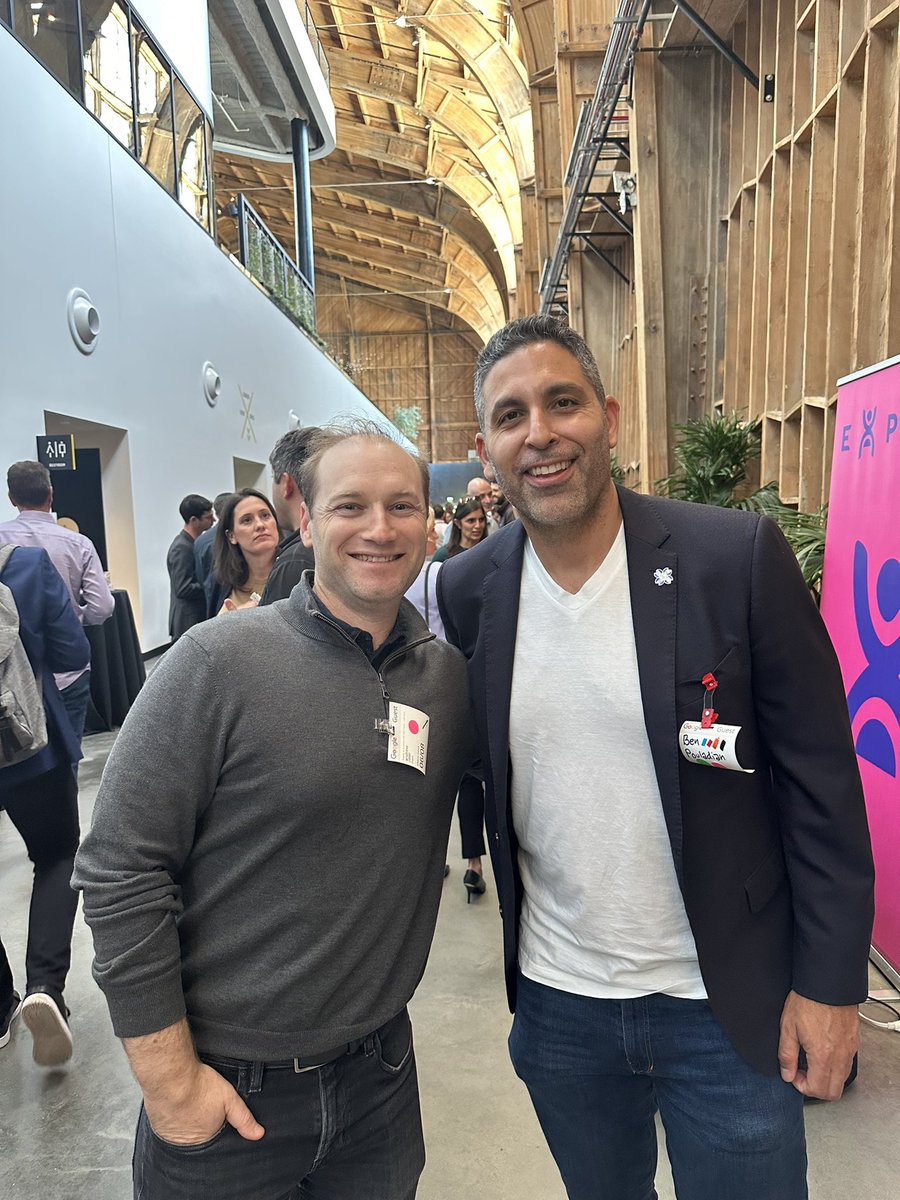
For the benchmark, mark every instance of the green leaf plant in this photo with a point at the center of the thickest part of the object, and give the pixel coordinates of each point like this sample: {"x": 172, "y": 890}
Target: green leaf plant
{"x": 712, "y": 460}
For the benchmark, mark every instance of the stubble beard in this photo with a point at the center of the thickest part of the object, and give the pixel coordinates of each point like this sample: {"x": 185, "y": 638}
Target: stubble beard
{"x": 576, "y": 511}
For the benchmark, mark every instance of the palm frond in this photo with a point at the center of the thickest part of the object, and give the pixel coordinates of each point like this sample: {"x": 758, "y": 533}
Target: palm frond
{"x": 712, "y": 456}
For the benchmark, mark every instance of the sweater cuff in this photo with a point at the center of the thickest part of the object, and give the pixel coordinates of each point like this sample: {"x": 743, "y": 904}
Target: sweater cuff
{"x": 138, "y": 1010}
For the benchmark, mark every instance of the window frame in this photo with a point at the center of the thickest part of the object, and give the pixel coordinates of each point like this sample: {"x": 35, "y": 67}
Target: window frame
{"x": 6, "y": 8}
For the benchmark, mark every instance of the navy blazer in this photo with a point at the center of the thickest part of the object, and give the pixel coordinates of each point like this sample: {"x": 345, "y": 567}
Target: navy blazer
{"x": 54, "y": 641}
{"x": 775, "y": 867}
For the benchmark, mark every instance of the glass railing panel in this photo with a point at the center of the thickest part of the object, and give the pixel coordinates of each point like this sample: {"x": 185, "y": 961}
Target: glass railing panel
{"x": 266, "y": 260}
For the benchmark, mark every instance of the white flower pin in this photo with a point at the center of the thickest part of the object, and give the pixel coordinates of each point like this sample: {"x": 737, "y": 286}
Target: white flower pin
{"x": 663, "y": 576}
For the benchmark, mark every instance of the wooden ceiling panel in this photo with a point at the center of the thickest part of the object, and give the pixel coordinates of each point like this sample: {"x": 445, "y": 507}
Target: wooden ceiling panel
{"x": 424, "y": 90}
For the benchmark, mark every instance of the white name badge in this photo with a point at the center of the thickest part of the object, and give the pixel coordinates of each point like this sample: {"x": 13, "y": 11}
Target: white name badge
{"x": 408, "y": 739}
{"x": 712, "y": 747}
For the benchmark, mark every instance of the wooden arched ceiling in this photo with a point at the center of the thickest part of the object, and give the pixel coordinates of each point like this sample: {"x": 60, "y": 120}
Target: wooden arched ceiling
{"x": 493, "y": 60}
{"x": 394, "y": 237}
{"x": 425, "y": 91}
{"x": 534, "y": 21}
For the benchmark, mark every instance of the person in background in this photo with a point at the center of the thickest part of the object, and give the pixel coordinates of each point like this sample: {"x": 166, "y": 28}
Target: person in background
{"x": 440, "y": 525}
{"x": 502, "y": 511}
{"x": 469, "y": 527}
{"x": 203, "y": 546}
{"x": 478, "y": 489}
{"x": 244, "y": 551}
{"x": 421, "y": 590}
{"x": 187, "y": 602}
{"x": 40, "y": 797}
{"x": 73, "y": 555}
{"x": 287, "y": 458}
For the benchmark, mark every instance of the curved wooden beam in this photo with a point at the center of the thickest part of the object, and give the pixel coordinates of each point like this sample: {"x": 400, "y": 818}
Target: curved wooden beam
{"x": 428, "y": 95}
{"x": 419, "y": 245}
{"x": 465, "y": 180}
{"x": 438, "y": 204}
{"x": 477, "y": 43}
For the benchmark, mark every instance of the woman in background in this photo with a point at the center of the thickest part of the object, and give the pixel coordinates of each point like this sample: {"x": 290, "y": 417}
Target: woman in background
{"x": 244, "y": 551}
{"x": 469, "y": 528}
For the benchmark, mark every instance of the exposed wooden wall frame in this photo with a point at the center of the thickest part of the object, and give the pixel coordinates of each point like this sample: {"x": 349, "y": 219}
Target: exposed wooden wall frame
{"x": 822, "y": 173}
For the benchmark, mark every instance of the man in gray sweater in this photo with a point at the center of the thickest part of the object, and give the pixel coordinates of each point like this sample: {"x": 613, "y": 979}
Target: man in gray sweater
{"x": 265, "y": 864}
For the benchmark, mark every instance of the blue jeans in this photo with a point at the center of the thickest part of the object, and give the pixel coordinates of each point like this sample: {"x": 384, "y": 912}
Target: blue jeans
{"x": 598, "y": 1070}
{"x": 351, "y": 1128}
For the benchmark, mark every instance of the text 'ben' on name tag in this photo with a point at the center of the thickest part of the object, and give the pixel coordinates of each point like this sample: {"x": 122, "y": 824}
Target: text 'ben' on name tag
{"x": 715, "y": 746}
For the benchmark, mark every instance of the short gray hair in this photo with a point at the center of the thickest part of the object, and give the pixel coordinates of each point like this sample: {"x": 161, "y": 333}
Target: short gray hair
{"x": 341, "y": 431}
{"x": 290, "y": 453}
{"x": 527, "y": 331}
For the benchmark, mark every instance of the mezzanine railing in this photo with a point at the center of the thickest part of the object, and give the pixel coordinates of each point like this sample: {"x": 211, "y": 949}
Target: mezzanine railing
{"x": 264, "y": 257}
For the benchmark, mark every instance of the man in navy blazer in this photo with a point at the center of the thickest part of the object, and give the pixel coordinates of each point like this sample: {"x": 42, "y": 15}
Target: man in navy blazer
{"x": 676, "y": 937}
{"x": 40, "y": 797}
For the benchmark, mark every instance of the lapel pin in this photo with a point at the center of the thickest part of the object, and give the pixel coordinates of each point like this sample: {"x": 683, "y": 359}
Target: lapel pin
{"x": 663, "y": 576}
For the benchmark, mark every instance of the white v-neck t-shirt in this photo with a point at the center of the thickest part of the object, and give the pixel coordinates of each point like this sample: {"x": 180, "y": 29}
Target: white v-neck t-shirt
{"x": 602, "y": 913}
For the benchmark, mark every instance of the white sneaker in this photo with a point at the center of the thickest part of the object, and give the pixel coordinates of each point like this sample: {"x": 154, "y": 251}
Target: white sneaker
{"x": 45, "y": 1018}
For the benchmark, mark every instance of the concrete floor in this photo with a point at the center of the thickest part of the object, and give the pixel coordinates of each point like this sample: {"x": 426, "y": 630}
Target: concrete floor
{"x": 66, "y": 1134}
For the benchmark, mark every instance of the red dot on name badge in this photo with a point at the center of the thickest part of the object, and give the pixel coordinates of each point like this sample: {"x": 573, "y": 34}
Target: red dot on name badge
{"x": 414, "y": 727}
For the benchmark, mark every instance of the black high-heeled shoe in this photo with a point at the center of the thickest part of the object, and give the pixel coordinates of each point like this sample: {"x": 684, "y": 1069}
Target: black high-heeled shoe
{"x": 475, "y": 885}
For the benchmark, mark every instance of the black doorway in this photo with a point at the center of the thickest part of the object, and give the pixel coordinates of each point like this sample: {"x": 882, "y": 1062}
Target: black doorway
{"x": 78, "y": 495}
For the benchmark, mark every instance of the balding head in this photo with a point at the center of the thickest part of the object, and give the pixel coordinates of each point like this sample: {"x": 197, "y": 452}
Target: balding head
{"x": 479, "y": 489}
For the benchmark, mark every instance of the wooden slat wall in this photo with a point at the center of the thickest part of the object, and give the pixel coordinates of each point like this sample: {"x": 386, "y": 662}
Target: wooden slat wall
{"x": 429, "y": 369}
{"x": 812, "y": 209}
{"x": 661, "y": 341}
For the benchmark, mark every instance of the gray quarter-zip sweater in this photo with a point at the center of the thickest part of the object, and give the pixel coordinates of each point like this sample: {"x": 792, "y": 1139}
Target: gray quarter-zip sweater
{"x": 254, "y": 861}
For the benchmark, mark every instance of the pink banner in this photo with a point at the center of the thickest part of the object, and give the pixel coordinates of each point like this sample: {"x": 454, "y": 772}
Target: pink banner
{"x": 861, "y": 606}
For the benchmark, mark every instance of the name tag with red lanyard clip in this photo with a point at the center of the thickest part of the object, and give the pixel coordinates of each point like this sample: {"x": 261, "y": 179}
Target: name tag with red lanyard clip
{"x": 707, "y": 742}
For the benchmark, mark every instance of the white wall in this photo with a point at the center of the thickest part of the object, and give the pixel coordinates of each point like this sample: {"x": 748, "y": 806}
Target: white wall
{"x": 181, "y": 30}
{"x": 78, "y": 211}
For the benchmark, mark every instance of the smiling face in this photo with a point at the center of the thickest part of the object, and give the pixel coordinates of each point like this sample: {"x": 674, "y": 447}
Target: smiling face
{"x": 253, "y": 527}
{"x": 548, "y": 437}
{"x": 367, "y": 528}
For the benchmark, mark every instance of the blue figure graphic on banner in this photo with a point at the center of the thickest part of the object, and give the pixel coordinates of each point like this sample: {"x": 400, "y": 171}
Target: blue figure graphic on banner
{"x": 881, "y": 677}
{"x": 867, "y": 441}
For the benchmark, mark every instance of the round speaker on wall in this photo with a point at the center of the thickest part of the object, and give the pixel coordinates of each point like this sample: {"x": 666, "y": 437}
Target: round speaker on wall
{"x": 84, "y": 320}
{"x": 212, "y": 384}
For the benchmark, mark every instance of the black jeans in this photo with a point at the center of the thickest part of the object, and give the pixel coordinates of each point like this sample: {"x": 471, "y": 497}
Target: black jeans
{"x": 349, "y": 1130}
{"x": 45, "y": 812}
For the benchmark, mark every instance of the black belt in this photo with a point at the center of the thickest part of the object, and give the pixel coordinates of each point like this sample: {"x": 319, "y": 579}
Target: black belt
{"x": 310, "y": 1062}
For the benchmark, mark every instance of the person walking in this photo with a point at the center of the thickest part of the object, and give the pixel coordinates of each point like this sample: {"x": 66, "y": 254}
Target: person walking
{"x": 40, "y": 796}
{"x": 76, "y": 559}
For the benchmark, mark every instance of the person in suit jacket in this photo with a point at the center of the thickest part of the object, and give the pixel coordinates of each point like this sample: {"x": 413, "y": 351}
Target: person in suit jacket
{"x": 203, "y": 546}
{"x": 675, "y": 936}
{"x": 40, "y": 797}
{"x": 187, "y": 599}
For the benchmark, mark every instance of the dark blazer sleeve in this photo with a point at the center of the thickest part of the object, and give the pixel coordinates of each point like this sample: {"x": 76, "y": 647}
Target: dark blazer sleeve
{"x": 66, "y": 647}
{"x": 444, "y": 608}
{"x": 804, "y": 725}
{"x": 185, "y": 585}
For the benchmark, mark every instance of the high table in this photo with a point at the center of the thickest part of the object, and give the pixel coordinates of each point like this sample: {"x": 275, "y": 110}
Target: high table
{"x": 117, "y": 668}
